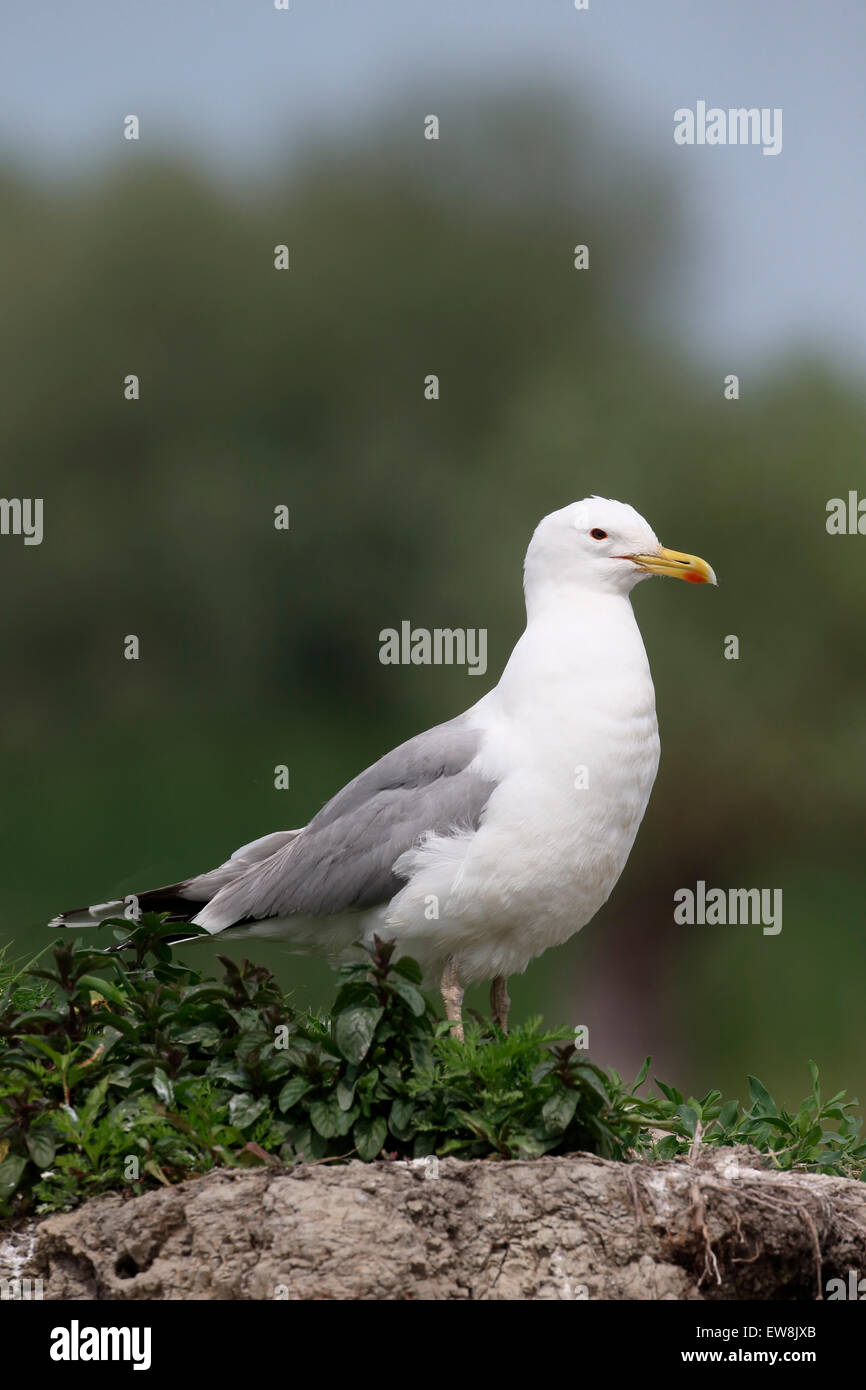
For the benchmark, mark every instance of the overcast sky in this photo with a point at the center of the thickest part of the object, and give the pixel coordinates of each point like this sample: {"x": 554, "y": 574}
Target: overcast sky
{"x": 779, "y": 241}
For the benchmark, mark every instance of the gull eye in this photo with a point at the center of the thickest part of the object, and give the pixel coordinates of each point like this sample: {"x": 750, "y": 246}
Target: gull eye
{"x": 597, "y": 534}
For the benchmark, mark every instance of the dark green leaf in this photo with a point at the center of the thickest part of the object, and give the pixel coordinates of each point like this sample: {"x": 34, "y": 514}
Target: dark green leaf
{"x": 409, "y": 993}
{"x": 42, "y": 1146}
{"x": 558, "y": 1111}
{"x": 245, "y": 1109}
{"x": 354, "y": 1030}
{"x": 162, "y": 1086}
{"x": 11, "y": 1169}
{"x": 761, "y": 1100}
{"x": 291, "y": 1093}
{"x": 369, "y": 1136}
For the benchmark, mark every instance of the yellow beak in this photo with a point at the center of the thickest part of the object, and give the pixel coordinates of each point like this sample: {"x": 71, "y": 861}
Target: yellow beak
{"x": 677, "y": 565}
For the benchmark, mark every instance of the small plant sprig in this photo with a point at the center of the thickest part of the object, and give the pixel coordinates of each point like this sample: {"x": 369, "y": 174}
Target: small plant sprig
{"x": 822, "y": 1136}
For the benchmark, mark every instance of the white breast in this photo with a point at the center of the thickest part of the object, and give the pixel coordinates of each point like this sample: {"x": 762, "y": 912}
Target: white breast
{"x": 572, "y": 740}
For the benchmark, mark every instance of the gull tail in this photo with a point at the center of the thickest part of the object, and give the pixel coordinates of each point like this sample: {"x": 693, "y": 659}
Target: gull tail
{"x": 171, "y": 899}
{"x": 180, "y": 900}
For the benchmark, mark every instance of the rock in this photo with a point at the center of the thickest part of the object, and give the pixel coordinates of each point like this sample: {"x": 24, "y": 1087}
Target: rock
{"x": 722, "y": 1226}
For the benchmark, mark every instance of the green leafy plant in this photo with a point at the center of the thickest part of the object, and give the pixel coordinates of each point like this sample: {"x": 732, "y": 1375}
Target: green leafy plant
{"x": 822, "y": 1136}
{"x": 126, "y": 1069}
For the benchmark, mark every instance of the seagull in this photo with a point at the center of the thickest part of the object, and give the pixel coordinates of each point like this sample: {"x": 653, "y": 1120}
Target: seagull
{"x": 479, "y": 844}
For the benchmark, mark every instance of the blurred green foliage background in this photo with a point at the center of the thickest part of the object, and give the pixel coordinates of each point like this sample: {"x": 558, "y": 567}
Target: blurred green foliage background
{"x": 260, "y": 647}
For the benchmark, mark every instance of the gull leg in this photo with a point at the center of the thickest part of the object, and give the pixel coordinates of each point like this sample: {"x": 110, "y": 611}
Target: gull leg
{"x": 500, "y": 1001}
{"x": 452, "y": 998}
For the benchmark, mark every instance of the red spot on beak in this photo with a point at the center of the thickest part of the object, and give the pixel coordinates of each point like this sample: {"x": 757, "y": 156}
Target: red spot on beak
{"x": 694, "y": 578}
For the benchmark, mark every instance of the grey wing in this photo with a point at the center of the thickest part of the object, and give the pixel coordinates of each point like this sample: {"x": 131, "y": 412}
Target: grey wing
{"x": 205, "y": 886}
{"x": 343, "y": 860}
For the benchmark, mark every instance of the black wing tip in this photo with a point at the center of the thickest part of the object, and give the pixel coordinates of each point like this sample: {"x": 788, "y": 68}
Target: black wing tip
{"x": 61, "y": 920}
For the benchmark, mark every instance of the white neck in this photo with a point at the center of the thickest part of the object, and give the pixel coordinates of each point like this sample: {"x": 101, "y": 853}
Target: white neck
{"x": 573, "y": 642}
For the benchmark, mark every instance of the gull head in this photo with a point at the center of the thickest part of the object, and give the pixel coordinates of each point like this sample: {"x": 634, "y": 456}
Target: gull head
{"x": 602, "y": 546}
